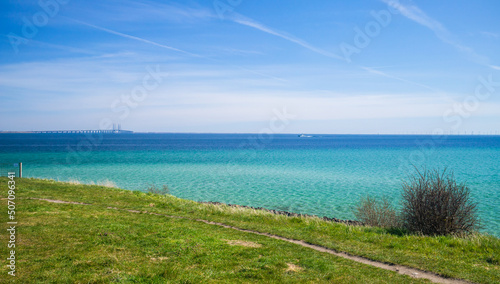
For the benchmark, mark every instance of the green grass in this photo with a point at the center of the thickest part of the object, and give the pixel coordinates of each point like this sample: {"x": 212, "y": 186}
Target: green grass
{"x": 92, "y": 244}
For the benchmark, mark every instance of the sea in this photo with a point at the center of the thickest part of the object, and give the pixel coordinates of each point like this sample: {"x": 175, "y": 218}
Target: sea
{"x": 324, "y": 175}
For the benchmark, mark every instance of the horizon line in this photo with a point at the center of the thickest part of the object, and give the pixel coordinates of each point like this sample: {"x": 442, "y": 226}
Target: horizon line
{"x": 450, "y": 133}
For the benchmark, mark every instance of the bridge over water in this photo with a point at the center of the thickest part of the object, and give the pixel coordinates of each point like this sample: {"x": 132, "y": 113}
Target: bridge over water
{"x": 84, "y": 131}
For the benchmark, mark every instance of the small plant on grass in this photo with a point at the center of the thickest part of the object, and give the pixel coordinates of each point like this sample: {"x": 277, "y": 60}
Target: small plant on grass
{"x": 435, "y": 204}
{"x": 152, "y": 188}
{"x": 373, "y": 212}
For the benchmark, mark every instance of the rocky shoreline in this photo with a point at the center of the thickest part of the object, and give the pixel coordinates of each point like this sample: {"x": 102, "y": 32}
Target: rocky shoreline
{"x": 289, "y": 214}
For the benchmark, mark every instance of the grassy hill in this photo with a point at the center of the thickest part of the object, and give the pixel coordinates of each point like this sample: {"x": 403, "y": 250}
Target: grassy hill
{"x": 99, "y": 243}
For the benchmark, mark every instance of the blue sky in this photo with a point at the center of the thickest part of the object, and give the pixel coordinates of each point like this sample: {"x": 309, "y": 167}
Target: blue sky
{"x": 370, "y": 66}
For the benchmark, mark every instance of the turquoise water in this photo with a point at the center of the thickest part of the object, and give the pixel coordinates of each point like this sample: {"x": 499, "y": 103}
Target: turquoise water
{"x": 324, "y": 176}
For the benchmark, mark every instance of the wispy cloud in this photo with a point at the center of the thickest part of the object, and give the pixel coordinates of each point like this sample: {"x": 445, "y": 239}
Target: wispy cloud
{"x": 62, "y": 47}
{"x": 143, "y": 11}
{"x": 243, "y": 52}
{"x": 136, "y": 38}
{"x": 415, "y": 14}
{"x": 242, "y": 20}
{"x": 384, "y": 74}
{"x": 174, "y": 49}
{"x": 490, "y": 34}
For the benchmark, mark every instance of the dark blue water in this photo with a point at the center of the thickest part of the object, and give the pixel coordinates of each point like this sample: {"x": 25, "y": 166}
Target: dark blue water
{"x": 124, "y": 142}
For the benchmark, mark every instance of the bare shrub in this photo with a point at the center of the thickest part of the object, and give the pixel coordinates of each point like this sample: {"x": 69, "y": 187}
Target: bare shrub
{"x": 152, "y": 188}
{"x": 377, "y": 213}
{"x": 434, "y": 204}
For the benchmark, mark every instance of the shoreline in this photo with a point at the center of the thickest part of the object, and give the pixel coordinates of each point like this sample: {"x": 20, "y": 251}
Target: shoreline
{"x": 286, "y": 213}
{"x": 139, "y": 231}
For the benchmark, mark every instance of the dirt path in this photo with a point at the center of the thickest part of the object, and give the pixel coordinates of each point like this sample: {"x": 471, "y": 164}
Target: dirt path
{"x": 412, "y": 272}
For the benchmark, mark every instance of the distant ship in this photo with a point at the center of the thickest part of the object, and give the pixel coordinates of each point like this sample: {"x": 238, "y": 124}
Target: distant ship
{"x": 304, "y": 136}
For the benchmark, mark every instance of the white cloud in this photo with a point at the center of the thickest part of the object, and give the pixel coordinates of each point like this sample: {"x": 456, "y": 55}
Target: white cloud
{"x": 415, "y": 14}
{"x": 126, "y": 11}
{"x": 242, "y": 20}
{"x": 490, "y": 34}
{"x": 381, "y": 73}
{"x": 214, "y": 108}
{"x": 137, "y": 38}
{"x": 256, "y": 25}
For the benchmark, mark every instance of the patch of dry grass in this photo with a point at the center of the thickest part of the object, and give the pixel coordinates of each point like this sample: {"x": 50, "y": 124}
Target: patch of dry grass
{"x": 243, "y": 243}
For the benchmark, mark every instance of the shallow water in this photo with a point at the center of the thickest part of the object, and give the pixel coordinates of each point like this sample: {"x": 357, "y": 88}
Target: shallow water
{"x": 323, "y": 175}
